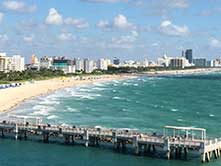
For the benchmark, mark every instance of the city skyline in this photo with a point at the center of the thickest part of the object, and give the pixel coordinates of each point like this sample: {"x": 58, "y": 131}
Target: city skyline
{"x": 110, "y": 28}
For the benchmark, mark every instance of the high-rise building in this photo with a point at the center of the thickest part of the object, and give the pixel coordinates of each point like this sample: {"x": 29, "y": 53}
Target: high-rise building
{"x": 34, "y": 60}
{"x": 183, "y": 54}
{"x": 102, "y": 64}
{"x": 200, "y": 62}
{"x": 14, "y": 63}
{"x": 88, "y": 66}
{"x": 189, "y": 55}
{"x": 178, "y": 62}
{"x": 79, "y": 64}
{"x": 17, "y": 63}
{"x": 145, "y": 63}
{"x": 3, "y": 62}
{"x": 116, "y": 61}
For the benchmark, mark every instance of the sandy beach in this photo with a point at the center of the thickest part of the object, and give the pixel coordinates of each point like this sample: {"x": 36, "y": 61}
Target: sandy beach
{"x": 11, "y": 97}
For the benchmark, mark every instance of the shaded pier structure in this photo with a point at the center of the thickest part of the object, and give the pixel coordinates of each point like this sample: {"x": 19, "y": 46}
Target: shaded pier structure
{"x": 174, "y": 143}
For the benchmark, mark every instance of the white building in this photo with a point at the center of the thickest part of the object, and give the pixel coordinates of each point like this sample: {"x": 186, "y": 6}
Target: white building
{"x": 145, "y": 63}
{"x": 17, "y": 63}
{"x": 14, "y": 63}
{"x": 79, "y": 64}
{"x": 71, "y": 69}
{"x": 102, "y": 64}
{"x": 216, "y": 63}
{"x": 46, "y": 62}
{"x": 164, "y": 61}
{"x": 88, "y": 66}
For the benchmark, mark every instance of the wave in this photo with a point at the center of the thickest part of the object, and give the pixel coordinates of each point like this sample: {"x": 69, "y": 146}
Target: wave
{"x": 69, "y": 109}
{"x": 98, "y": 88}
{"x": 117, "y": 98}
{"x": 52, "y": 117}
{"x": 49, "y": 102}
{"x": 99, "y": 84}
{"x": 41, "y": 112}
{"x": 174, "y": 110}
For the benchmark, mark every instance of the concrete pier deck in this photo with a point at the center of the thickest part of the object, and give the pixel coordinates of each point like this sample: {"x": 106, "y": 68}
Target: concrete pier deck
{"x": 175, "y": 142}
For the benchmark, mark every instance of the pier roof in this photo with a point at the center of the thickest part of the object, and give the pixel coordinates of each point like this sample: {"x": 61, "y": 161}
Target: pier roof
{"x": 184, "y": 128}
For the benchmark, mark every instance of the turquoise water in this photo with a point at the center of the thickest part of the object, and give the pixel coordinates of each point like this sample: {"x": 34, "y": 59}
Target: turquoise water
{"x": 144, "y": 103}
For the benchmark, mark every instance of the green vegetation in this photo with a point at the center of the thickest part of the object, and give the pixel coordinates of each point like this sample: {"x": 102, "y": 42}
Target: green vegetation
{"x": 29, "y": 75}
{"x": 48, "y": 73}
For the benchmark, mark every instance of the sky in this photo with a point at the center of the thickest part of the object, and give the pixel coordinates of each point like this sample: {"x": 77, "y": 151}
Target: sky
{"x": 127, "y": 29}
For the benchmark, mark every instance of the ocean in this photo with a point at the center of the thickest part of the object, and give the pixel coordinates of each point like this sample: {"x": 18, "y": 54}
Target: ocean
{"x": 144, "y": 103}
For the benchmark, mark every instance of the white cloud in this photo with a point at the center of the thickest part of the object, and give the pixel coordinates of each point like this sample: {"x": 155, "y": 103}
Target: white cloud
{"x": 125, "y": 41}
{"x": 214, "y": 43}
{"x": 120, "y": 22}
{"x": 28, "y": 39}
{"x": 103, "y": 24}
{"x": 168, "y": 28}
{"x": 66, "y": 36}
{"x": 19, "y": 6}
{"x": 1, "y": 16}
{"x": 3, "y": 38}
{"x": 54, "y": 17}
{"x": 76, "y": 22}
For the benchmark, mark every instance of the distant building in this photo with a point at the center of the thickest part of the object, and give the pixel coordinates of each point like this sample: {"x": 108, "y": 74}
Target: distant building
{"x": 209, "y": 63}
{"x": 189, "y": 55}
{"x": 200, "y": 62}
{"x": 164, "y": 61}
{"x": 216, "y": 63}
{"x": 116, "y": 61}
{"x": 3, "y": 62}
{"x": 145, "y": 63}
{"x": 177, "y": 62}
{"x": 46, "y": 62}
{"x": 35, "y": 65}
{"x": 17, "y": 63}
{"x": 14, "y": 63}
{"x": 63, "y": 64}
{"x": 79, "y": 63}
{"x": 102, "y": 64}
{"x": 34, "y": 60}
{"x": 88, "y": 66}
{"x": 183, "y": 54}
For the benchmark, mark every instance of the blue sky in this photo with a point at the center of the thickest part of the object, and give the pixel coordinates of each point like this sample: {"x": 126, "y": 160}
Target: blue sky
{"x": 128, "y": 29}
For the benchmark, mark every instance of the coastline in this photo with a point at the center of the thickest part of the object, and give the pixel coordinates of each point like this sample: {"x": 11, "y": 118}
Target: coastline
{"x": 181, "y": 72}
{"x": 12, "y": 97}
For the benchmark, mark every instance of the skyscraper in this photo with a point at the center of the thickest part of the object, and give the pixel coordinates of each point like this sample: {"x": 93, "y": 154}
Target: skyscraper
{"x": 189, "y": 55}
{"x": 88, "y": 66}
{"x": 116, "y": 61}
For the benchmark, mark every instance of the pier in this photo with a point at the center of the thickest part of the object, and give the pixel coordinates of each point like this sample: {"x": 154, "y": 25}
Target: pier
{"x": 174, "y": 143}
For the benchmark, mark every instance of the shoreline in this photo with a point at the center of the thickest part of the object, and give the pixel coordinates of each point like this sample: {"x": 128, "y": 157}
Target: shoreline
{"x": 15, "y": 96}
{"x": 181, "y": 72}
